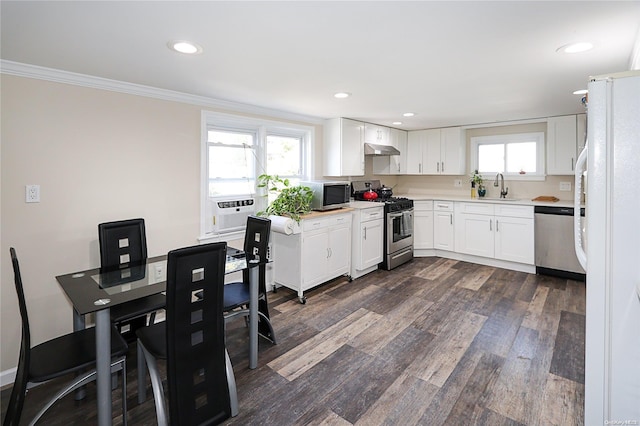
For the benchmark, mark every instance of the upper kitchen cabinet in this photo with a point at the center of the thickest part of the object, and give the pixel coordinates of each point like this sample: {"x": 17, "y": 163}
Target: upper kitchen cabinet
{"x": 565, "y": 139}
{"x": 393, "y": 164}
{"x": 343, "y": 147}
{"x": 376, "y": 134}
{"x": 436, "y": 152}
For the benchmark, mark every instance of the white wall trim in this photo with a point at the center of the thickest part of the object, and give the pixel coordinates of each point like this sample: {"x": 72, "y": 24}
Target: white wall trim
{"x": 66, "y": 77}
{"x": 7, "y": 377}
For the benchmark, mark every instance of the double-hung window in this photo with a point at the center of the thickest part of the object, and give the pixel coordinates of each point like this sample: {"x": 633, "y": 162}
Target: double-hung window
{"x": 236, "y": 150}
{"x": 516, "y": 156}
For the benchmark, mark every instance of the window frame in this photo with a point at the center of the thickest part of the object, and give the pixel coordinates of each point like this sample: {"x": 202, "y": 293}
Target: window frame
{"x": 505, "y": 139}
{"x": 262, "y": 128}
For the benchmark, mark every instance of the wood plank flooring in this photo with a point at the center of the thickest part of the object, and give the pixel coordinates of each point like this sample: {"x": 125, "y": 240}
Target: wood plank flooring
{"x": 433, "y": 342}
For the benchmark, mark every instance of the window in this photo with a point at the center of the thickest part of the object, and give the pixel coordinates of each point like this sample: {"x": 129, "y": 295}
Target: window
{"x": 516, "y": 156}
{"x": 236, "y": 150}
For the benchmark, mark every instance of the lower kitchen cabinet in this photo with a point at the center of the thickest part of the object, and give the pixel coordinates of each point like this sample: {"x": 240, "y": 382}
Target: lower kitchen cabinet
{"x": 443, "y": 225}
{"x": 423, "y": 225}
{"x": 499, "y": 231}
{"x": 319, "y": 253}
{"x": 368, "y": 239}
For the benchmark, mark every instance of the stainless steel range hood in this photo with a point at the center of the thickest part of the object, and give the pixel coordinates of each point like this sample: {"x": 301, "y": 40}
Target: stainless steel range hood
{"x": 376, "y": 149}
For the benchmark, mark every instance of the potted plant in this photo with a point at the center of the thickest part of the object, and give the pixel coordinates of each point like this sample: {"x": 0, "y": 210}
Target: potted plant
{"x": 291, "y": 201}
{"x": 478, "y": 182}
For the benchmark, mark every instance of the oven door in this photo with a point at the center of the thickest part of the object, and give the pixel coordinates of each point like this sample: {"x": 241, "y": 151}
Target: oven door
{"x": 399, "y": 230}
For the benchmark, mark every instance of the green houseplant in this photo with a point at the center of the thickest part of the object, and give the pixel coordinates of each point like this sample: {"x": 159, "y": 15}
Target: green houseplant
{"x": 478, "y": 182}
{"x": 291, "y": 201}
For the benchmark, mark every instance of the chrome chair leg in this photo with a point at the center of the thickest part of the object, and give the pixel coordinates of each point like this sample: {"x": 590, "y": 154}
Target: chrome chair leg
{"x": 231, "y": 381}
{"x": 156, "y": 384}
{"x": 142, "y": 375}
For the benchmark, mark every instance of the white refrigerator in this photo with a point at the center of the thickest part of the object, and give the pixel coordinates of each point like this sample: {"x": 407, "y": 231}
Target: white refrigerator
{"x": 612, "y": 255}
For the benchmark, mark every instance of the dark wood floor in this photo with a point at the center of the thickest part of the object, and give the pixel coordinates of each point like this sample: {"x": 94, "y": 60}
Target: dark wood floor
{"x": 433, "y": 342}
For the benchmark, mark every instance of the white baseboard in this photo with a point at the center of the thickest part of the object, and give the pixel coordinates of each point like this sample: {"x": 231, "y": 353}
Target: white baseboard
{"x": 7, "y": 377}
{"x": 514, "y": 266}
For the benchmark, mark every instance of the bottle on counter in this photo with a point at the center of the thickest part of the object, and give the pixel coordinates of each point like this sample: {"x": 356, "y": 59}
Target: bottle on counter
{"x": 473, "y": 190}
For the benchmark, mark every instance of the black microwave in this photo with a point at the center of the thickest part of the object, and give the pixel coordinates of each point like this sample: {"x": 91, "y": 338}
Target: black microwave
{"x": 329, "y": 195}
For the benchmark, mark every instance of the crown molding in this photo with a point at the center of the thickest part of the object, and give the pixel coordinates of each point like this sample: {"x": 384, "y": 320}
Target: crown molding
{"x": 84, "y": 80}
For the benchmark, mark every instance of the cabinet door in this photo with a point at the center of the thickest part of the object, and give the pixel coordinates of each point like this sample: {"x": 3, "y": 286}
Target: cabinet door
{"x": 443, "y": 230}
{"x": 371, "y": 241}
{"x": 422, "y": 229}
{"x": 315, "y": 255}
{"x": 415, "y": 142}
{"x": 561, "y": 145}
{"x": 431, "y": 152}
{"x": 398, "y": 163}
{"x": 474, "y": 234}
{"x": 339, "y": 250}
{"x": 514, "y": 239}
{"x": 343, "y": 148}
{"x": 376, "y": 134}
{"x": 453, "y": 149}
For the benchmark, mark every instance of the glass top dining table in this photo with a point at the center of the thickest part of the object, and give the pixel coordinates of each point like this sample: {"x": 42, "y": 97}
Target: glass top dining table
{"x": 97, "y": 290}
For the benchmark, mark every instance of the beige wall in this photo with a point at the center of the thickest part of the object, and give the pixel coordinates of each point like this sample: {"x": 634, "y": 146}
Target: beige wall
{"x": 97, "y": 156}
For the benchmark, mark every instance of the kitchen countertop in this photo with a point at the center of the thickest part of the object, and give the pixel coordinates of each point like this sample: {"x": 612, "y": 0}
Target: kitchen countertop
{"x": 314, "y": 214}
{"x": 517, "y": 201}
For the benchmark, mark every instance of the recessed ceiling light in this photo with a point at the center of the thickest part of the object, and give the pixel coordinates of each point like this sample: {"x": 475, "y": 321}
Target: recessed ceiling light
{"x": 579, "y": 47}
{"x": 341, "y": 95}
{"x": 409, "y": 114}
{"x": 581, "y": 92}
{"x": 397, "y": 123}
{"x": 183, "y": 46}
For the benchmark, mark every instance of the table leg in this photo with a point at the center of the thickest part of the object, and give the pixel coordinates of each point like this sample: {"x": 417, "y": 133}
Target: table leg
{"x": 79, "y": 324}
{"x": 103, "y": 366}
{"x": 254, "y": 278}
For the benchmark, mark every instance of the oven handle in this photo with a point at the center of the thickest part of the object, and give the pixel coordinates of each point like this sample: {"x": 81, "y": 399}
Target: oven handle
{"x": 400, "y": 213}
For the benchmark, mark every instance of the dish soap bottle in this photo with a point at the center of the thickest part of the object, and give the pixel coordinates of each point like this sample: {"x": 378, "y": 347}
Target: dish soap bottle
{"x": 473, "y": 190}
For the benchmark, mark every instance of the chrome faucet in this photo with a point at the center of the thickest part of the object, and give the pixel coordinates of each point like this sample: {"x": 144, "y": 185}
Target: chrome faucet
{"x": 503, "y": 192}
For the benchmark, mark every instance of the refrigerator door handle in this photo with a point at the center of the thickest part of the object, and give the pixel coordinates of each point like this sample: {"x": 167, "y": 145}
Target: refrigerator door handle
{"x": 581, "y": 166}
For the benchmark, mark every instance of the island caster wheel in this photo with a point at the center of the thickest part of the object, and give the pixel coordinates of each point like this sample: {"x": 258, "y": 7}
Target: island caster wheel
{"x": 303, "y": 300}
{"x": 349, "y": 278}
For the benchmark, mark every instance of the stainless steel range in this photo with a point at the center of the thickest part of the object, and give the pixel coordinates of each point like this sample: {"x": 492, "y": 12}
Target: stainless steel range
{"x": 398, "y": 224}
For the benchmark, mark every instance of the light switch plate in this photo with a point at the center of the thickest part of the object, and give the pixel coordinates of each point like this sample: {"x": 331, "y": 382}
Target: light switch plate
{"x": 565, "y": 186}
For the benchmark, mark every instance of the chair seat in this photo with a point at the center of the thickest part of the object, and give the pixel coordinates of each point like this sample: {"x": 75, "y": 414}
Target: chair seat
{"x": 154, "y": 338}
{"x": 69, "y": 353}
{"x": 235, "y": 295}
{"x": 136, "y": 308}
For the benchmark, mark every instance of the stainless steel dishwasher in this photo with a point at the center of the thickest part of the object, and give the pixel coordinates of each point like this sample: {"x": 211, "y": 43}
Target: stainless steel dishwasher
{"x": 554, "y": 247}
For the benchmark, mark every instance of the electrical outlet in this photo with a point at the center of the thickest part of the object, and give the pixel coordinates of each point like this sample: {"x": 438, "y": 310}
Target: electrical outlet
{"x": 457, "y": 183}
{"x": 32, "y": 194}
{"x": 565, "y": 186}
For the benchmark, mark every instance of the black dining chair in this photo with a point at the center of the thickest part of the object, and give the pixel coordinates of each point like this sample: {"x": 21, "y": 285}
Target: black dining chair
{"x": 200, "y": 380}
{"x": 123, "y": 243}
{"x": 71, "y": 353}
{"x": 237, "y": 294}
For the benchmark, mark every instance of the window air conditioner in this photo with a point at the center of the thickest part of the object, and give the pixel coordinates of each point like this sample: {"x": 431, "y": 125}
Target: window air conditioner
{"x": 231, "y": 214}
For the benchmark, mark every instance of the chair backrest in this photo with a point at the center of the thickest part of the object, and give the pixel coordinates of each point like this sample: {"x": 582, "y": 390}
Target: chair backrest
{"x": 122, "y": 242}
{"x": 19, "y": 390}
{"x": 196, "y": 367}
{"x": 256, "y": 238}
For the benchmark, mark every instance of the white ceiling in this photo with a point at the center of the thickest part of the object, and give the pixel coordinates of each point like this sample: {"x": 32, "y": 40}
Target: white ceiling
{"x": 452, "y": 63}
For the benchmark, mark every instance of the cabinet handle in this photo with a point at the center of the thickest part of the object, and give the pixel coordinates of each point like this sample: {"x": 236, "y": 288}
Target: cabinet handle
{"x": 420, "y": 168}
{"x": 451, "y": 218}
{"x": 365, "y": 233}
{"x": 438, "y": 167}
{"x": 497, "y": 226}
{"x": 490, "y": 223}
{"x": 328, "y": 252}
{"x": 443, "y": 167}
{"x": 572, "y": 165}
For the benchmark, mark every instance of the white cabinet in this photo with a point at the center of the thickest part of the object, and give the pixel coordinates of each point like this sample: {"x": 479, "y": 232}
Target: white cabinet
{"x": 443, "y": 225}
{"x": 319, "y": 253}
{"x": 376, "y": 134}
{"x": 367, "y": 241}
{"x": 436, "y": 152}
{"x": 343, "y": 147}
{"x": 499, "y": 231}
{"x": 393, "y": 164}
{"x": 565, "y": 140}
{"x": 422, "y": 225}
